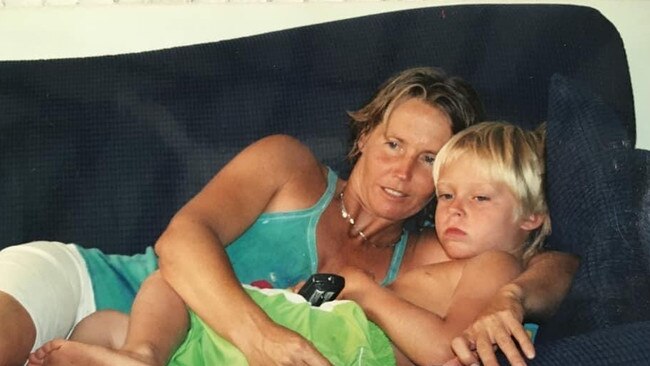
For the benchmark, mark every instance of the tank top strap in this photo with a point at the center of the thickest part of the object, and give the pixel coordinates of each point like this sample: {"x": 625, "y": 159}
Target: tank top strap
{"x": 398, "y": 252}
{"x": 326, "y": 198}
{"x": 396, "y": 261}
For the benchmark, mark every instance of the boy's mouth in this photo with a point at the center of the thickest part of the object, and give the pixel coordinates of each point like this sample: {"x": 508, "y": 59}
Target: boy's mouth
{"x": 454, "y": 232}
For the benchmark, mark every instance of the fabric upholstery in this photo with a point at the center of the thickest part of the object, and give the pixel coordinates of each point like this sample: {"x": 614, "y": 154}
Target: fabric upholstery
{"x": 595, "y": 211}
{"x": 101, "y": 151}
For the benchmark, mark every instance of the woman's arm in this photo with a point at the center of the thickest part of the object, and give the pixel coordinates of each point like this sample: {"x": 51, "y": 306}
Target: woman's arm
{"x": 535, "y": 294}
{"x": 545, "y": 283}
{"x": 423, "y": 336}
{"x": 194, "y": 262}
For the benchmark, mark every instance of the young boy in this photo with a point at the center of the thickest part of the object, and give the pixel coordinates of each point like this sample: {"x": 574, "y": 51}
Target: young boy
{"x": 490, "y": 218}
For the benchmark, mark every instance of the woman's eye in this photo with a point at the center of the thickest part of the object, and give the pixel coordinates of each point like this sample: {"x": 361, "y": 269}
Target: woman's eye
{"x": 429, "y": 159}
{"x": 392, "y": 145}
{"x": 482, "y": 198}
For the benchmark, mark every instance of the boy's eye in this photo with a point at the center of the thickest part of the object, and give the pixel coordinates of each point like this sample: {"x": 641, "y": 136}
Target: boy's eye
{"x": 482, "y": 198}
{"x": 444, "y": 196}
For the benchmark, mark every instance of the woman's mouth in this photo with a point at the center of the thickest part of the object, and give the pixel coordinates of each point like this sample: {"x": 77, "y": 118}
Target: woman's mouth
{"x": 394, "y": 193}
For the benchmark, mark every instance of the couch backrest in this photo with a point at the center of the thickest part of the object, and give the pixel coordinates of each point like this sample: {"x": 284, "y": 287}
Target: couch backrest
{"x": 102, "y": 151}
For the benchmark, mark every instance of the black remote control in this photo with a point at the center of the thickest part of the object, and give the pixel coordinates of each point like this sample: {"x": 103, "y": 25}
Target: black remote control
{"x": 322, "y": 287}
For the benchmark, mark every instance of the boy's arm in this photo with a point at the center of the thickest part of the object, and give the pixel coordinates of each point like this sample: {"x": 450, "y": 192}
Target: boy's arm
{"x": 425, "y": 337}
{"x": 535, "y": 294}
{"x": 408, "y": 326}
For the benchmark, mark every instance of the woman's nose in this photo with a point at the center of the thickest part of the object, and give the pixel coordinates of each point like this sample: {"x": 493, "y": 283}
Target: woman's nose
{"x": 404, "y": 168}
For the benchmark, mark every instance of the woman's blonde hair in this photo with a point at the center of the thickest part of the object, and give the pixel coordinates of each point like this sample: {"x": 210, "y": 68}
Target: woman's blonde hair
{"x": 450, "y": 94}
{"x": 510, "y": 155}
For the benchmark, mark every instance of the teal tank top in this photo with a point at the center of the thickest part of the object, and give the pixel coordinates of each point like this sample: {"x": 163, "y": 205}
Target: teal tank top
{"x": 117, "y": 278}
{"x": 279, "y": 248}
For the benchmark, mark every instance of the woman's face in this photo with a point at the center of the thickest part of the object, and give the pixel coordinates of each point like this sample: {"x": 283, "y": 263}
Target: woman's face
{"x": 393, "y": 174}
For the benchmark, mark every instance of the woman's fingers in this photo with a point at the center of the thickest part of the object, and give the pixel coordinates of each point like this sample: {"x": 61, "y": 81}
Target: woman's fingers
{"x": 316, "y": 359}
{"x": 280, "y": 347}
{"x": 309, "y": 356}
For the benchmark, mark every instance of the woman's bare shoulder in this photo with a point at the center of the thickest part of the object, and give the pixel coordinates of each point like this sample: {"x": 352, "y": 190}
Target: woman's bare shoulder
{"x": 284, "y": 152}
{"x": 302, "y": 178}
{"x": 280, "y": 141}
{"x": 275, "y": 172}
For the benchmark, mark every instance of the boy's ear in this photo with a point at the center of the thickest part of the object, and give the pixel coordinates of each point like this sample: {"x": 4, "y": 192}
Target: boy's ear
{"x": 532, "y": 222}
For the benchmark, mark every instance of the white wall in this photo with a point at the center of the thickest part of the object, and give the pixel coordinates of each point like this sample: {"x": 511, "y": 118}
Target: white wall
{"x": 29, "y": 30}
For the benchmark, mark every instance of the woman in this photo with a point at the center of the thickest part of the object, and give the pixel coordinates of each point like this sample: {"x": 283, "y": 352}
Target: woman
{"x": 275, "y": 201}
{"x": 362, "y": 222}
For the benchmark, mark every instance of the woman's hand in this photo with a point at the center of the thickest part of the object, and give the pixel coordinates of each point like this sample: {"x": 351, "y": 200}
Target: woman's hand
{"x": 499, "y": 325}
{"x": 276, "y": 345}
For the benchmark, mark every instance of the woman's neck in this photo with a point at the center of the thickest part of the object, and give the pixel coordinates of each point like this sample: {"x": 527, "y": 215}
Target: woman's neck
{"x": 367, "y": 228}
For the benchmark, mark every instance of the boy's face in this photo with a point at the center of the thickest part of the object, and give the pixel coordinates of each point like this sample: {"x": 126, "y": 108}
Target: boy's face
{"x": 475, "y": 214}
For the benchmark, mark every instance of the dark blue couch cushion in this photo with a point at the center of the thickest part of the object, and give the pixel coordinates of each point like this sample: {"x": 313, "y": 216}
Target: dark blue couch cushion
{"x": 595, "y": 212}
{"x": 625, "y": 344}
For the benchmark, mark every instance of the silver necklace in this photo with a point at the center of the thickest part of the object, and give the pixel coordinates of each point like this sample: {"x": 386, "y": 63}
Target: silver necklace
{"x": 347, "y": 217}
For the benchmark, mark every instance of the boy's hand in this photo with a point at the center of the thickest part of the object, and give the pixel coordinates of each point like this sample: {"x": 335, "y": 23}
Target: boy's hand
{"x": 500, "y": 324}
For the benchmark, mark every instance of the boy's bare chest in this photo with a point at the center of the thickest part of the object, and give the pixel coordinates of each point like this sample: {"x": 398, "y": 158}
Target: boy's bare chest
{"x": 430, "y": 287}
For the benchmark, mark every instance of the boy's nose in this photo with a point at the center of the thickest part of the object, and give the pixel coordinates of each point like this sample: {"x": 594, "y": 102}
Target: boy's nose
{"x": 456, "y": 207}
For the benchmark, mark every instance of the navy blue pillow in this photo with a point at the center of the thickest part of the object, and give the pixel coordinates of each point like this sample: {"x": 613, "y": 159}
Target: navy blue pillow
{"x": 594, "y": 212}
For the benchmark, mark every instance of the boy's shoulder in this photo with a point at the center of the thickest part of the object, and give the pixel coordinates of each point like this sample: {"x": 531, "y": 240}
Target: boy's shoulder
{"x": 423, "y": 249}
{"x": 493, "y": 265}
{"x": 495, "y": 256}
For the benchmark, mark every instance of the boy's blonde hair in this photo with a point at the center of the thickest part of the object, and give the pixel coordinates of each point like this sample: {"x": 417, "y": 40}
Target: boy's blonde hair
{"x": 510, "y": 155}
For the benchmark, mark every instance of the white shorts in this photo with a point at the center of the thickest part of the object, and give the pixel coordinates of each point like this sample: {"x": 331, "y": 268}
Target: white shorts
{"x": 50, "y": 280}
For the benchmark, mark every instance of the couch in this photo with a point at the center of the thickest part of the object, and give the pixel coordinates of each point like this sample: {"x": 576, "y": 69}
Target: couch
{"x": 101, "y": 151}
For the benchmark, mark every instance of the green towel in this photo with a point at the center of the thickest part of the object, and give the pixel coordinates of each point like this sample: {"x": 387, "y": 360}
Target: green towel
{"x": 339, "y": 329}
